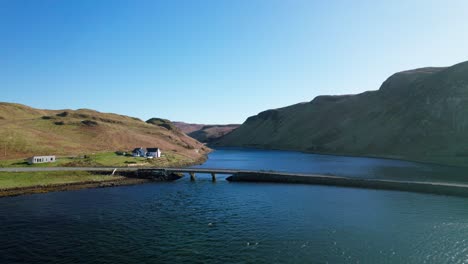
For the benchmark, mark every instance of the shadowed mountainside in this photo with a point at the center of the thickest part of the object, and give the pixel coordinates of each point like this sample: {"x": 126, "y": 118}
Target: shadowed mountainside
{"x": 205, "y": 133}
{"x": 25, "y": 131}
{"x": 418, "y": 115}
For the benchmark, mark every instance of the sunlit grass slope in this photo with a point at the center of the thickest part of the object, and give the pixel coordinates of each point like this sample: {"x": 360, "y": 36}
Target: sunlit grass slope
{"x": 25, "y": 131}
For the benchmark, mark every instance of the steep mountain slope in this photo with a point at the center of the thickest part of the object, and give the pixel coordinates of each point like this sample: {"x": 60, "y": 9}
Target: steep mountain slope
{"x": 419, "y": 114}
{"x": 26, "y": 131}
{"x": 205, "y": 133}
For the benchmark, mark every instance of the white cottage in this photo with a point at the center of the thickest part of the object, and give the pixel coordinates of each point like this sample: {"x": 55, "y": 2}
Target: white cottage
{"x": 41, "y": 159}
{"x": 153, "y": 153}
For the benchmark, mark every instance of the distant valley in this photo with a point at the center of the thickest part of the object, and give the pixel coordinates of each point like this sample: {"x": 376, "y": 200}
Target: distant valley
{"x": 205, "y": 133}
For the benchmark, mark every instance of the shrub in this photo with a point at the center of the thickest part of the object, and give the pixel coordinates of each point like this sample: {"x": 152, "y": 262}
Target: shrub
{"x": 89, "y": 123}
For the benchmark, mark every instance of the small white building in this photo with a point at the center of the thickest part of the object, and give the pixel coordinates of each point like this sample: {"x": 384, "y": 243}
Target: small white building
{"x": 41, "y": 159}
{"x": 153, "y": 153}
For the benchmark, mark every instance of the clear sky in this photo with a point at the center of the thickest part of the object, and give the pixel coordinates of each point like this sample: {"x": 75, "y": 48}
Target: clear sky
{"x": 216, "y": 61}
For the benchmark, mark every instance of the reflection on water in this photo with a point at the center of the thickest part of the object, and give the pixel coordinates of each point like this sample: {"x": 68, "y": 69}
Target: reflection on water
{"x": 205, "y": 222}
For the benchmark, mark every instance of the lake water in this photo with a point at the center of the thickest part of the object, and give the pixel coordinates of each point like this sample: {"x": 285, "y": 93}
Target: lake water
{"x": 222, "y": 222}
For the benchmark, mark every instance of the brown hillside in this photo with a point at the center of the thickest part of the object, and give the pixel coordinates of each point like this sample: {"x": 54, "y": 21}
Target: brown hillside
{"x": 205, "y": 133}
{"x": 25, "y": 131}
{"x": 187, "y": 128}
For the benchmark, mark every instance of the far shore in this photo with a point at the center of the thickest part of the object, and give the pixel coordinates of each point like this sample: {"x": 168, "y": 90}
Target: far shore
{"x": 439, "y": 188}
{"x": 455, "y": 164}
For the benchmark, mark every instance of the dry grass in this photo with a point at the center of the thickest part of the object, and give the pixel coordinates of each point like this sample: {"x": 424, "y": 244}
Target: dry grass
{"x": 25, "y": 131}
{"x": 27, "y": 179}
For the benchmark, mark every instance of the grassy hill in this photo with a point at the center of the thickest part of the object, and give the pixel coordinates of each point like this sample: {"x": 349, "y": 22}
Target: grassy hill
{"x": 419, "y": 115}
{"x": 25, "y": 131}
{"x": 205, "y": 133}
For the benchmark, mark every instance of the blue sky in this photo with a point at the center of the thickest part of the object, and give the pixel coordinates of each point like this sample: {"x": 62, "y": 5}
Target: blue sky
{"x": 215, "y": 61}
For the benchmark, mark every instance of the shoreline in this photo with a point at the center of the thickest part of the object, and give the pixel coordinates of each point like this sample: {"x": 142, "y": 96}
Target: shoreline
{"x": 438, "y": 188}
{"x": 403, "y": 159}
{"x": 124, "y": 172}
{"x": 133, "y": 177}
{"x": 17, "y": 191}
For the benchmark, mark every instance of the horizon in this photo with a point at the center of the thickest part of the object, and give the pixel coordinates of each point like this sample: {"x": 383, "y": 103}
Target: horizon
{"x": 214, "y": 62}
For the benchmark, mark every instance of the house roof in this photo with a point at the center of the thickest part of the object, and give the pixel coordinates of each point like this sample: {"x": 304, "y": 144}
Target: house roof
{"x": 138, "y": 149}
{"x": 153, "y": 149}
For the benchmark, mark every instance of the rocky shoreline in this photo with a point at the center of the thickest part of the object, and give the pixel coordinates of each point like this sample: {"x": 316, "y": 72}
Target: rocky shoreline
{"x": 70, "y": 186}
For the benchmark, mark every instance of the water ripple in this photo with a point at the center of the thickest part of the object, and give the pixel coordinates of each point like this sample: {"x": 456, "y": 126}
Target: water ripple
{"x": 202, "y": 222}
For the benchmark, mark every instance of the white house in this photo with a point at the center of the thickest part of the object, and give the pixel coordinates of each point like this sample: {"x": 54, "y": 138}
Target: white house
{"x": 153, "y": 153}
{"x": 139, "y": 152}
{"x": 41, "y": 159}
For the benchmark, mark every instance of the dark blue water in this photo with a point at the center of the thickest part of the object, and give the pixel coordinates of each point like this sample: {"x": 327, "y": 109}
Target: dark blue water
{"x": 205, "y": 222}
{"x": 290, "y": 161}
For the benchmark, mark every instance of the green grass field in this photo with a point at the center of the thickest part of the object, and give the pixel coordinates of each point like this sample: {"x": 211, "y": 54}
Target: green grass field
{"x": 105, "y": 159}
{"x": 28, "y": 179}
